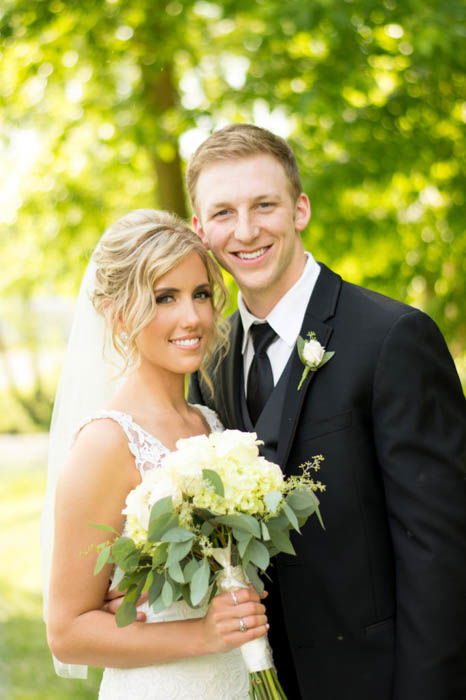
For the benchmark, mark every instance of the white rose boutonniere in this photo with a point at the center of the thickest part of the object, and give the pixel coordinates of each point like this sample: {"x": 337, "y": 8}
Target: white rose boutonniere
{"x": 312, "y": 354}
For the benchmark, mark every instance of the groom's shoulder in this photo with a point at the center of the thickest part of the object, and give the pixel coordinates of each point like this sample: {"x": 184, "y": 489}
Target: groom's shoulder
{"x": 367, "y": 312}
{"x": 369, "y": 302}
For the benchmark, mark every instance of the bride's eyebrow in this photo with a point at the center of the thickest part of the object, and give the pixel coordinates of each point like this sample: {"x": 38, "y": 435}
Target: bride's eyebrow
{"x": 165, "y": 290}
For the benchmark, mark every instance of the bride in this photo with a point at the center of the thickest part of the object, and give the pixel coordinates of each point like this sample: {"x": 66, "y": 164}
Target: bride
{"x": 161, "y": 296}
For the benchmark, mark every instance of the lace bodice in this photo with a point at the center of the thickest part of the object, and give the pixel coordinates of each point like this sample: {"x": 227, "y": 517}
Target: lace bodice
{"x": 148, "y": 451}
{"x": 207, "y": 677}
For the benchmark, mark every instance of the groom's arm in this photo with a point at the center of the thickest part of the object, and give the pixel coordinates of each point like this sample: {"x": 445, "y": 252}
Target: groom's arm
{"x": 419, "y": 419}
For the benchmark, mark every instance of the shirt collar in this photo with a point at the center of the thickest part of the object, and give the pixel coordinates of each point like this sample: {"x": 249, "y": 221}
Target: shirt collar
{"x": 286, "y": 317}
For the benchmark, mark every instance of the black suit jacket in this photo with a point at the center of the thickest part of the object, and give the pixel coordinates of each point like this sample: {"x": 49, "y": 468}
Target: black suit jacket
{"x": 375, "y": 605}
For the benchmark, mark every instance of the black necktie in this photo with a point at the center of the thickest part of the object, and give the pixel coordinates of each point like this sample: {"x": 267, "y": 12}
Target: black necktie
{"x": 260, "y": 377}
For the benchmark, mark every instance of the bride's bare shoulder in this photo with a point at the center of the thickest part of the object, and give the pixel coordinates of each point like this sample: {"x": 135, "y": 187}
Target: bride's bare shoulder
{"x": 101, "y": 441}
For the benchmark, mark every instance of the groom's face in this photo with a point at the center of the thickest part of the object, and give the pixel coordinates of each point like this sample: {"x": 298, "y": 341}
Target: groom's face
{"x": 248, "y": 218}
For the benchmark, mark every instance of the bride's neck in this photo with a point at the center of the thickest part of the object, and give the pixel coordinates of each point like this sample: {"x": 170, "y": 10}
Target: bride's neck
{"x": 148, "y": 389}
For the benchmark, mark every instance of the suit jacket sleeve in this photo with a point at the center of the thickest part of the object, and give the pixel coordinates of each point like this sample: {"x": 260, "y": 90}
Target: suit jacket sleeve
{"x": 419, "y": 419}
{"x": 195, "y": 394}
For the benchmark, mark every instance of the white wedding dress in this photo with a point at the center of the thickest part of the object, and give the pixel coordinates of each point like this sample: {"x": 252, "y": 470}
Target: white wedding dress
{"x": 208, "y": 677}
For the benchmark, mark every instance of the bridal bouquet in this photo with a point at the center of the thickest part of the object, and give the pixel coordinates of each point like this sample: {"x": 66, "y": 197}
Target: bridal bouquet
{"x": 208, "y": 520}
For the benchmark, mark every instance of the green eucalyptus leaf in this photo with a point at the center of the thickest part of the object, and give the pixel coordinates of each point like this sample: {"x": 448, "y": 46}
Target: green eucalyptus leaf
{"x": 265, "y": 532}
{"x": 241, "y": 535}
{"x": 279, "y": 522}
{"x": 102, "y": 559}
{"x": 241, "y": 521}
{"x": 159, "y": 526}
{"x": 177, "y": 551}
{"x": 214, "y": 479}
{"x": 281, "y": 540}
{"x": 272, "y": 500}
{"x": 156, "y": 587}
{"x": 301, "y": 499}
{"x": 149, "y": 582}
{"x": 258, "y": 554}
{"x": 254, "y": 578}
{"x": 161, "y": 507}
{"x": 290, "y": 514}
{"x": 200, "y": 582}
{"x": 177, "y": 534}
{"x": 319, "y": 516}
{"x": 167, "y": 593}
{"x": 158, "y": 605}
{"x": 300, "y": 347}
{"x": 327, "y": 356}
{"x": 125, "y": 554}
{"x": 176, "y": 573}
{"x": 242, "y": 546}
{"x": 185, "y": 593}
{"x": 117, "y": 578}
{"x": 126, "y": 613}
{"x": 206, "y": 528}
{"x": 105, "y": 528}
{"x": 160, "y": 554}
{"x": 190, "y": 569}
{"x": 176, "y": 590}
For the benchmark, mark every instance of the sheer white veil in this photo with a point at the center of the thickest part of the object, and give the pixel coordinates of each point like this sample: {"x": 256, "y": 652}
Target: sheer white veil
{"x": 87, "y": 382}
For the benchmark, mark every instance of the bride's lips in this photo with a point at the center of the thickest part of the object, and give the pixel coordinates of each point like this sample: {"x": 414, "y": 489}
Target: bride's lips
{"x": 186, "y": 342}
{"x": 251, "y": 257}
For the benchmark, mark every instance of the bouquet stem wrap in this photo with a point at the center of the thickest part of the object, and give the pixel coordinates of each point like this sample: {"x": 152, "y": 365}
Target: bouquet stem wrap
{"x": 256, "y": 653}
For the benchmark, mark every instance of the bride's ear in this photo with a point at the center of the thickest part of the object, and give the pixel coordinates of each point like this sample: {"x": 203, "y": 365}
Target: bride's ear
{"x": 108, "y": 310}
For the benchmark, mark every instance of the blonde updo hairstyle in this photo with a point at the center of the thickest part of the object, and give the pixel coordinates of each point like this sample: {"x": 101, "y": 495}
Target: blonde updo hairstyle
{"x": 132, "y": 255}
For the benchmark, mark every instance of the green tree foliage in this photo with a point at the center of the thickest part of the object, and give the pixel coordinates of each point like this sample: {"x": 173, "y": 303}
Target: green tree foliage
{"x": 370, "y": 94}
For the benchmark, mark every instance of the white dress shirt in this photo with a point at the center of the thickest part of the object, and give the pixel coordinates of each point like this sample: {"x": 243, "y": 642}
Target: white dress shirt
{"x": 286, "y": 319}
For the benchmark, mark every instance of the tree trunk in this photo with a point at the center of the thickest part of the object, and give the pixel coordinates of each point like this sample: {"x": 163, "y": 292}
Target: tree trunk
{"x": 162, "y": 96}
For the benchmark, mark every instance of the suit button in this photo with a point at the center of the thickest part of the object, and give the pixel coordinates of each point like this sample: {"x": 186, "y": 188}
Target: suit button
{"x": 340, "y": 637}
{"x": 409, "y": 533}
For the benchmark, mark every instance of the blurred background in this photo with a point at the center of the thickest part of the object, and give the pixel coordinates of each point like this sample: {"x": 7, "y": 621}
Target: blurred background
{"x": 103, "y": 102}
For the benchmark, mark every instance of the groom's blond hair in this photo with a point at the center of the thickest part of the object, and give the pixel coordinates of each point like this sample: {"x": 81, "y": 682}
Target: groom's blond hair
{"x": 238, "y": 141}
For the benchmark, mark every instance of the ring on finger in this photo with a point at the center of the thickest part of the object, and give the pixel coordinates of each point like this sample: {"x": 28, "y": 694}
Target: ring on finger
{"x": 242, "y": 625}
{"x": 234, "y": 598}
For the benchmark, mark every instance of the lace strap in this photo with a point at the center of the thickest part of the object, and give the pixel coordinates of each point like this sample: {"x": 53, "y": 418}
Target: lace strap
{"x": 148, "y": 452}
{"x": 211, "y": 417}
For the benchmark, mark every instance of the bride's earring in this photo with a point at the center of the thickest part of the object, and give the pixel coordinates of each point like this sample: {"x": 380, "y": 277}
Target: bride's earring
{"x": 124, "y": 339}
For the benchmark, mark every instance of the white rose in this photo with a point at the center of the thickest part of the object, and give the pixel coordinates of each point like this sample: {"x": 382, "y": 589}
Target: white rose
{"x": 162, "y": 485}
{"x": 235, "y": 444}
{"x": 313, "y": 352}
{"x": 186, "y": 463}
{"x": 155, "y": 485}
{"x": 137, "y": 507}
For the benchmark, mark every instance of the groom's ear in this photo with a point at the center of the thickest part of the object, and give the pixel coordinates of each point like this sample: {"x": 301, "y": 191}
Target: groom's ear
{"x": 197, "y": 226}
{"x": 302, "y": 213}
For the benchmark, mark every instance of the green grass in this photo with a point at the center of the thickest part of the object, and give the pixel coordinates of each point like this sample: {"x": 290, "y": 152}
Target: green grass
{"x": 26, "y": 670}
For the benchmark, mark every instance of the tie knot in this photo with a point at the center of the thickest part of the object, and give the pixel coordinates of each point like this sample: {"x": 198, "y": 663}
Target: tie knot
{"x": 262, "y": 336}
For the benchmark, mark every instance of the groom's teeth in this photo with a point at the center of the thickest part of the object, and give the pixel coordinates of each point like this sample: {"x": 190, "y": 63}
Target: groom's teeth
{"x": 251, "y": 256}
{"x": 187, "y": 342}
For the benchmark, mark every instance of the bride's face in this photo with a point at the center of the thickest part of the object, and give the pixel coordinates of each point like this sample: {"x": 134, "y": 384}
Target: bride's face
{"x": 178, "y": 335}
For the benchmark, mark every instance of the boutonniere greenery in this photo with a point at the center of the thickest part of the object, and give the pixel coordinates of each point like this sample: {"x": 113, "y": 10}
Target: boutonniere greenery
{"x": 312, "y": 354}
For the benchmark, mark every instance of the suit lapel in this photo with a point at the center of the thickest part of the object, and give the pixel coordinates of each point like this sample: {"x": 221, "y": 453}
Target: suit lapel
{"x": 231, "y": 376}
{"x": 320, "y": 309}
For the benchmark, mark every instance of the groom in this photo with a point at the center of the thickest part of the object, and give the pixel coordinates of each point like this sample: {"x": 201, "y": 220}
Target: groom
{"x": 374, "y": 606}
